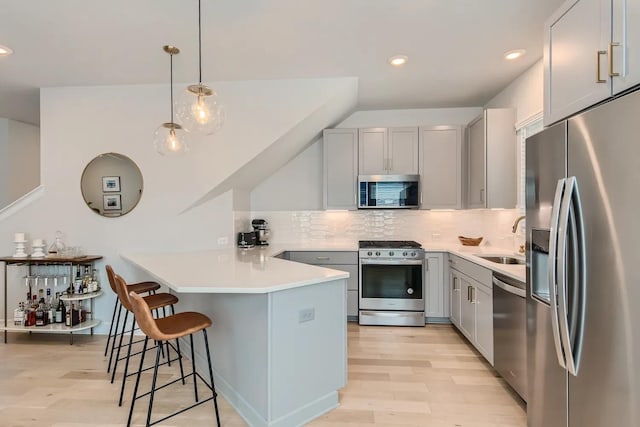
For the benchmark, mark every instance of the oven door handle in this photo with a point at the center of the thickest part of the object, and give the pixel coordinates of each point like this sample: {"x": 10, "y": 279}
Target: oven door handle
{"x": 391, "y": 262}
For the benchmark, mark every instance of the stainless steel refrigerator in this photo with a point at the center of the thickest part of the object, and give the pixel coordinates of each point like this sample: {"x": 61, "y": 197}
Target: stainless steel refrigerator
{"x": 583, "y": 269}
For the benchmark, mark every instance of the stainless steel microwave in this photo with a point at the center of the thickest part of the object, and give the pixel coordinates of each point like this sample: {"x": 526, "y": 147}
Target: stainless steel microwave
{"x": 388, "y": 191}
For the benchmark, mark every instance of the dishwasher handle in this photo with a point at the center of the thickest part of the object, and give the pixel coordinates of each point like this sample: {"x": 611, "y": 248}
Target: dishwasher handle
{"x": 509, "y": 288}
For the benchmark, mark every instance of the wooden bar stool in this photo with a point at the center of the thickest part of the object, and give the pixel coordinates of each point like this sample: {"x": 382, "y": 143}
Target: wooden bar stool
{"x": 162, "y": 330}
{"x": 154, "y": 302}
{"x": 139, "y": 288}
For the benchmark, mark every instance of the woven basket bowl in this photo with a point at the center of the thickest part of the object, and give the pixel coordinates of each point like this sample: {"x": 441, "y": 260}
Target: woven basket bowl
{"x": 470, "y": 241}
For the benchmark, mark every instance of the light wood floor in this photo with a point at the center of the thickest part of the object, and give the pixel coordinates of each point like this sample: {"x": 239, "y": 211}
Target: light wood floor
{"x": 397, "y": 377}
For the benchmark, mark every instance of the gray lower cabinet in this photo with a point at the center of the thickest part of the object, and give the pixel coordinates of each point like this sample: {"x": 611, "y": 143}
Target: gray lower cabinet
{"x": 471, "y": 295}
{"x": 435, "y": 289}
{"x": 338, "y": 260}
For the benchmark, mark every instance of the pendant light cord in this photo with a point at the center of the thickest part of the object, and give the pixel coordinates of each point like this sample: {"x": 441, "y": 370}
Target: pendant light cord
{"x": 200, "y": 41}
{"x": 171, "y": 82}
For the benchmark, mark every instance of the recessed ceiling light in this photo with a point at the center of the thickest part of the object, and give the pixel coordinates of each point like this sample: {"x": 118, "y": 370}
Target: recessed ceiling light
{"x": 514, "y": 54}
{"x": 5, "y": 51}
{"x": 398, "y": 60}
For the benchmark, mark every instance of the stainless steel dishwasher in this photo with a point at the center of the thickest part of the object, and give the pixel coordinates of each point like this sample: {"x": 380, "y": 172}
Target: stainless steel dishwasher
{"x": 510, "y": 331}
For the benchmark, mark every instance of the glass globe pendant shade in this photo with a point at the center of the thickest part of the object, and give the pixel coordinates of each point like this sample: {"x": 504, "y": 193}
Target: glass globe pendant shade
{"x": 171, "y": 139}
{"x": 199, "y": 110}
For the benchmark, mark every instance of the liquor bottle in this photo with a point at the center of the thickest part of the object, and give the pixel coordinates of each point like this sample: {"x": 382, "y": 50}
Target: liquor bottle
{"x": 18, "y": 314}
{"x": 29, "y": 316}
{"x": 67, "y": 318}
{"x": 95, "y": 284}
{"x": 41, "y": 315}
{"x": 60, "y": 312}
{"x": 77, "y": 283}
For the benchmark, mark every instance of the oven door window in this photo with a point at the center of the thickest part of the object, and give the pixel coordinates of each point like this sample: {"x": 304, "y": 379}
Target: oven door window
{"x": 392, "y": 281}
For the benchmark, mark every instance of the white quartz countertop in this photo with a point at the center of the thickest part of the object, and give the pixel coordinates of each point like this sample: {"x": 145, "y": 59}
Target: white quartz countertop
{"x": 251, "y": 271}
{"x": 257, "y": 271}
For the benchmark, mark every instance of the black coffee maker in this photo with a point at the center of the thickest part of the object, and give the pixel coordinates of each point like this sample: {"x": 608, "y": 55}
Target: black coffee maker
{"x": 261, "y": 229}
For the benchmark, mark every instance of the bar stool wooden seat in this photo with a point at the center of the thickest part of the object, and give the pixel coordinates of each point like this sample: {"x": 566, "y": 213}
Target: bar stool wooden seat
{"x": 139, "y": 288}
{"x": 154, "y": 302}
{"x": 162, "y": 330}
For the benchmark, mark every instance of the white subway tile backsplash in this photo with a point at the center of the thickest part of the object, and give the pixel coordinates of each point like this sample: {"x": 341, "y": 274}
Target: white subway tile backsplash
{"x": 426, "y": 227}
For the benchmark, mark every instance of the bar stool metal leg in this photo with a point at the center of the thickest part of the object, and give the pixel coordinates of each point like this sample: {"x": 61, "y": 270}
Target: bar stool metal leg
{"x": 113, "y": 318}
{"x": 135, "y": 388}
{"x": 193, "y": 366}
{"x": 153, "y": 383}
{"x": 213, "y": 387}
{"x": 113, "y": 343}
{"x": 124, "y": 326}
{"x": 115, "y": 334}
{"x": 126, "y": 365}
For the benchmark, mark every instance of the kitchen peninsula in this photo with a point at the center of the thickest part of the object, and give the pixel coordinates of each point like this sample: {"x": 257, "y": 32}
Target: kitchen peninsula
{"x": 279, "y": 338}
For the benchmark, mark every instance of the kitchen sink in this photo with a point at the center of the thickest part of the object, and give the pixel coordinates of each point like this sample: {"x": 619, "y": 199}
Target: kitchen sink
{"x": 502, "y": 259}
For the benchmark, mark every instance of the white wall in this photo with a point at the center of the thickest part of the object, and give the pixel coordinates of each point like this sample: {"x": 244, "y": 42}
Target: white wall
{"x": 78, "y": 123}
{"x": 19, "y": 160}
{"x": 4, "y": 162}
{"x": 411, "y": 117}
{"x": 298, "y": 185}
{"x": 525, "y": 94}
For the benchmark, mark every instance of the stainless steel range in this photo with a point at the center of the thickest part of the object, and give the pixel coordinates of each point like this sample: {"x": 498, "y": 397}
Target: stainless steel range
{"x": 391, "y": 289}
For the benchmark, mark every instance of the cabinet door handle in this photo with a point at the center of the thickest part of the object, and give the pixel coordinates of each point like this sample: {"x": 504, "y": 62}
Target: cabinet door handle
{"x": 598, "y": 55}
{"x": 473, "y": 295}
{"x": 468, "y": 293}
{"x": 611, "y": 73}
{"x": 455, "y": 280}
{"x": 482, "y": 195}
{"x": 323, "y": 258}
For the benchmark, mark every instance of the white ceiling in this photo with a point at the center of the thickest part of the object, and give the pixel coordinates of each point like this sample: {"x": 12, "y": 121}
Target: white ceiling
{"x": 455, "y": 47}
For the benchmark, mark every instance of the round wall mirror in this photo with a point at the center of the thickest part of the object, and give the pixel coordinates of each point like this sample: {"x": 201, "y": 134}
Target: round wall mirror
{"x": 111, "y": 185}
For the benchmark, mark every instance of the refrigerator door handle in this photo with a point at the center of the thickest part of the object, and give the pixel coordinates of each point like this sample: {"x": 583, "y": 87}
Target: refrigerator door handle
{"x": 563, "y": 234}
{"x": 582, "y": 271}
{"x": 571, "y": 210}
{"x": 552, "y": 270}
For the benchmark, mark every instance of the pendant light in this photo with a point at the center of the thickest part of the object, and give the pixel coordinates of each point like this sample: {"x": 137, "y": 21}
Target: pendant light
{"x": 199, "y": 109}
{"x": 171, "y": 138}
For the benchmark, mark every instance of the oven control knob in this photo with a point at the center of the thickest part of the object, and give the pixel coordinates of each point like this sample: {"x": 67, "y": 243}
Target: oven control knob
{"x": 369, "y": 253}
{"x": 413, "y": 254}
{"x": 391, "y": 253}
{"x": 404, "y": 253}
{"x": 377, "y": 253}
{"x": 410, "y": 291}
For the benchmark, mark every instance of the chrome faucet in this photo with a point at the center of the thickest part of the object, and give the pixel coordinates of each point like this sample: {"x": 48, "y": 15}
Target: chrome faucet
{"x": 515, "y": 224}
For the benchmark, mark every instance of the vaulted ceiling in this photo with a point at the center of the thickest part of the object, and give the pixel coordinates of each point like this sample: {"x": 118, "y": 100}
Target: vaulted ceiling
{"x": 455, "y": 47}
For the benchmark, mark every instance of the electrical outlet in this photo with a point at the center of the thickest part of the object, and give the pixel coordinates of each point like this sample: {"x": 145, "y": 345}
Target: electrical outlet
{"x": 306, "y": 315}
{"x": 222, "y": 241}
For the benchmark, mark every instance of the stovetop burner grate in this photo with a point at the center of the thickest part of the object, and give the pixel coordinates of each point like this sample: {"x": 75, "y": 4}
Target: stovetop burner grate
{"x": 391, "y": 244}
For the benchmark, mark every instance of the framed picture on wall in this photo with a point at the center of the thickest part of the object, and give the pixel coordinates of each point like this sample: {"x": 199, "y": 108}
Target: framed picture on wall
{"x": 110, "y": 184}
{"x": 112, "y": 202}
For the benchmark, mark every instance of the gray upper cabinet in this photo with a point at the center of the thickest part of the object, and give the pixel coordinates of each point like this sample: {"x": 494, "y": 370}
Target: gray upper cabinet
{"x": 403, "y": 150}
{"x": 388, "y": 151}
{"x": 590, "y": 54}
{"x": 440, "y": 166}
{"x": 491, "y": 151}
{"x": 624, "y": 44}
{"x": 476, "y": 164}
{"x": 340, "y": 168}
